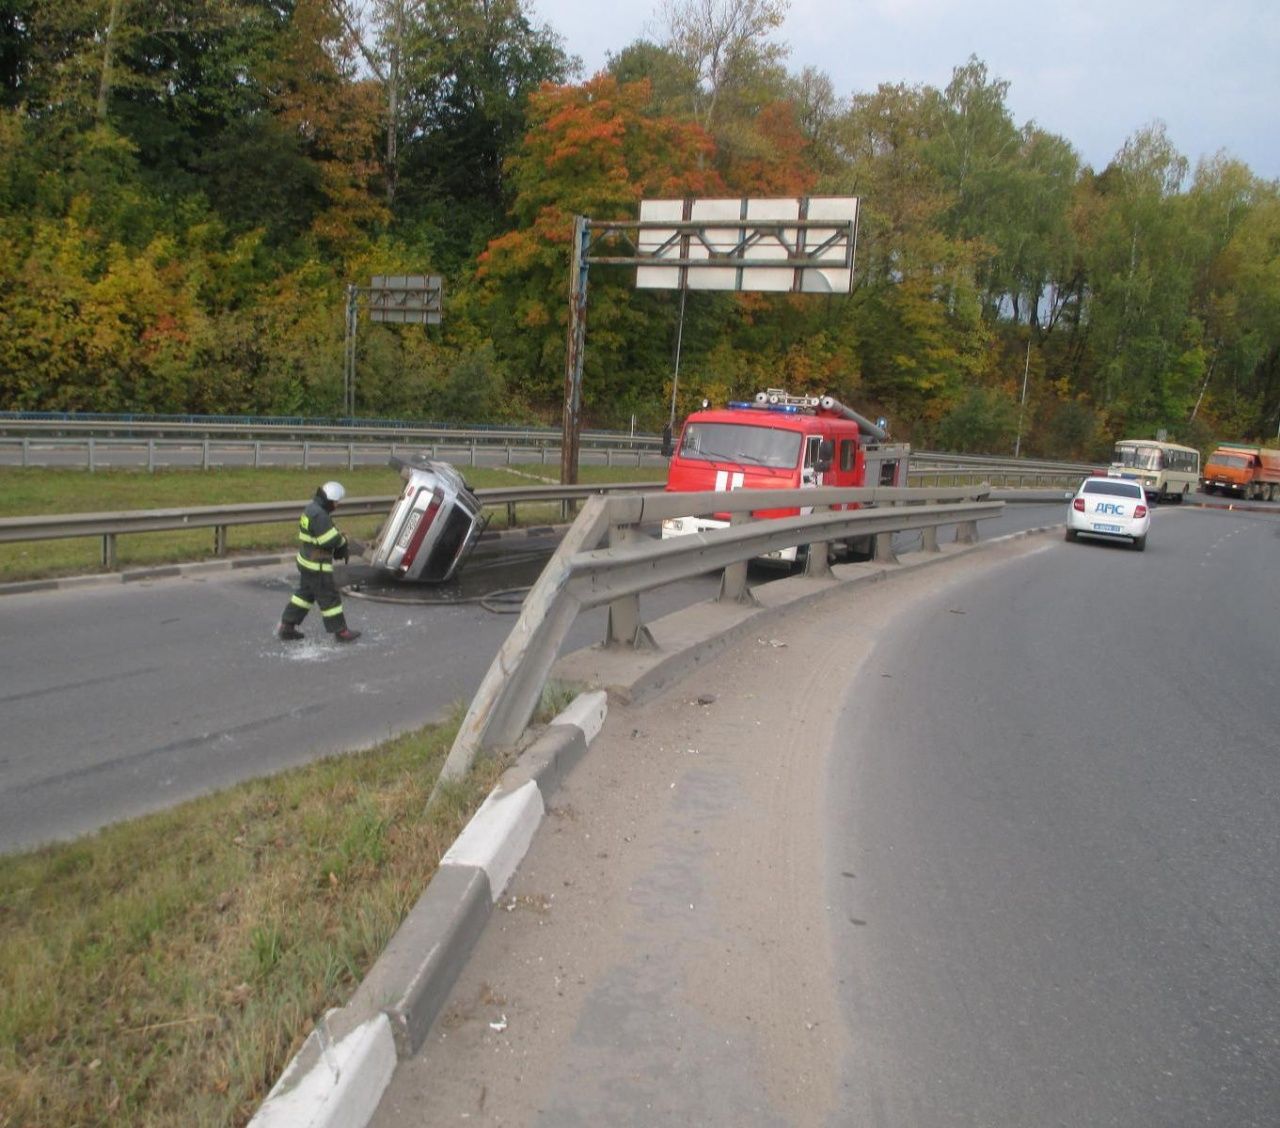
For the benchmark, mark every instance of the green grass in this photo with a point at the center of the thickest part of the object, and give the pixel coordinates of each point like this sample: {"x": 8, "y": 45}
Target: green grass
{"x": 32, "y": 492}
{"x": 164, "y": 971}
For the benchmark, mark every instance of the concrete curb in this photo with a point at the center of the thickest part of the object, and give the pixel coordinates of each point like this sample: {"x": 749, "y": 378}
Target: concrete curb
{"x": 337, "y": 1079}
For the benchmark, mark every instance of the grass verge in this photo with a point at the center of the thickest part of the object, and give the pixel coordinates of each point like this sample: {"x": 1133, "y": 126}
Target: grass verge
{"x": 28, "y": 492}
{"x": 163, "y": 971}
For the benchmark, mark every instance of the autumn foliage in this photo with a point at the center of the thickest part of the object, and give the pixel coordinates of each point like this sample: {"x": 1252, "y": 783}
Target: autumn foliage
{"x": 188, "y": 190}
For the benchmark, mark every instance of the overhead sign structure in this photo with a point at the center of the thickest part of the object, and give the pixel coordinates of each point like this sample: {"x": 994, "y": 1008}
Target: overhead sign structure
{"x": 413, "y": 299}
{"x": 799, "y": 245}
{"x": 401, "y": 299}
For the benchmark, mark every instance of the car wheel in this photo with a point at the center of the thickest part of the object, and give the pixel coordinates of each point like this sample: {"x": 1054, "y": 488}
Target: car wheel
{"x": 1140, "y": 543}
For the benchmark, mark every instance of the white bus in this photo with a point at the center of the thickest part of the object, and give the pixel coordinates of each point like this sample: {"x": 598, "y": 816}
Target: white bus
{"x": 1167, "y": 471}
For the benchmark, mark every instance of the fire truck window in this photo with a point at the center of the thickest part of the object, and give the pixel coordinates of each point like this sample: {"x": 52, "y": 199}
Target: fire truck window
{"x": 848, "y": 453}
{"x": 888, "y": 471}
{"x": 740, "y": 443}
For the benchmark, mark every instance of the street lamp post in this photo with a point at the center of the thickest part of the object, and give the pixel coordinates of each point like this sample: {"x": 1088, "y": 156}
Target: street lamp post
{"x": 1026, "y": 369}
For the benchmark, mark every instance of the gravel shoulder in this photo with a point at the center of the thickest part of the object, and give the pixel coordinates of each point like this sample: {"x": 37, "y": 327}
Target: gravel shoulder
{"x": 663, "y": 954}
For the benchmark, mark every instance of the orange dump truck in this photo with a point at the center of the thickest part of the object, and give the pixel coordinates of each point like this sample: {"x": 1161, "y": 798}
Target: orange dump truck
{"x": 1249, "y": 472}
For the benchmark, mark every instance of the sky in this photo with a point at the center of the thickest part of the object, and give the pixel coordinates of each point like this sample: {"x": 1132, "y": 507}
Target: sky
{"x": 1092, "y": 71}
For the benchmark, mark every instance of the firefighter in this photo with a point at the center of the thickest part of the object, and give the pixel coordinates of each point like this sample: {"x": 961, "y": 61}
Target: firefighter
{"x": 321, "y": 544}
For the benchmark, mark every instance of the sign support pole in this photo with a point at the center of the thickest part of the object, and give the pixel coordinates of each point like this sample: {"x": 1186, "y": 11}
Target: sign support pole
{"x": 572, "y": 419}
{"x": 349, "y": 360}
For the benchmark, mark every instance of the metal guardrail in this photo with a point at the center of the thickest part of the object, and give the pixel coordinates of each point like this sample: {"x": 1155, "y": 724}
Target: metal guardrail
{"x": 927, "y": 469}
{"x": 45, "y": 431}
{"x": 221, "y": 444}
{"x": 604, "y": 559}
{"x": 94, "y": 453}
{"x": 109, "y": 526}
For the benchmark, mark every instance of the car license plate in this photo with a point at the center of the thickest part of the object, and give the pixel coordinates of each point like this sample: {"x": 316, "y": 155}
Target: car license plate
{"x": 1099, "y": 527}
{"x": 410, "y": 525}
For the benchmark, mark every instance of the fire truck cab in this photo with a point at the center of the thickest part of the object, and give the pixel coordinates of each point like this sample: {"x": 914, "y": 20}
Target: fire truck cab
{"x": 780, "y": 441}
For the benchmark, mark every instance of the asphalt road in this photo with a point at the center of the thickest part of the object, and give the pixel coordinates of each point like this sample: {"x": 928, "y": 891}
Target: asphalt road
{"x": 992, "y": 845}
{"x": 123, "y": 699}
{"x": 1055, "y": 855}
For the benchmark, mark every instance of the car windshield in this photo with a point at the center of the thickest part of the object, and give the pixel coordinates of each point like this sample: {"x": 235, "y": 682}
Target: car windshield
{"x": 1110, "y": 486}
{"x": 1140, "y": 458}
{"x": 741, "y": 443}
{"x": 1237, "y": 460}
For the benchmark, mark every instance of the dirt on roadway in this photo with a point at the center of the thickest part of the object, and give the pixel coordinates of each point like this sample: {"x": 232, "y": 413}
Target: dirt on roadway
{"x": 663, "y": 956}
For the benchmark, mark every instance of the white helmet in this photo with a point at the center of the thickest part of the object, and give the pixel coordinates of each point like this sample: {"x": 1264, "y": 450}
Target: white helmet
{"x": 333, "y": 491}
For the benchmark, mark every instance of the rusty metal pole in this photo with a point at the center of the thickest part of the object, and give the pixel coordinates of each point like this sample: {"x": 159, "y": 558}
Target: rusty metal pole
{"x": 572, "y": 422}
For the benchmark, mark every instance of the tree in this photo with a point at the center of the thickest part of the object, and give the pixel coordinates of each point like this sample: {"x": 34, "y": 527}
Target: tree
{"x": 316, "y": 98}
{"x": 468, "y": 70}
{"x": 983, "y": 422}
{"x": 593, "y": 150}
{"x": 915, "y": 313}
{"x": 724, "y": 42}
{"x": 1140, "y": 273}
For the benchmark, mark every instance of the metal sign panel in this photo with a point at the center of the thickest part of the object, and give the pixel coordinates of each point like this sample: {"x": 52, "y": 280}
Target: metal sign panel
{"x": 406, "y": 298}
{"x": 795, "y": 244}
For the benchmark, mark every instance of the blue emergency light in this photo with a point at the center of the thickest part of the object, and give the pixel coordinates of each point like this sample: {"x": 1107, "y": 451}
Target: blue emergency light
{"x": 785, "y": 408}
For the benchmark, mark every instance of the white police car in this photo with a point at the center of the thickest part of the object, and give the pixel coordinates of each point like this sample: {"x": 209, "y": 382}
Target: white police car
{"x": 1112, "y": 509}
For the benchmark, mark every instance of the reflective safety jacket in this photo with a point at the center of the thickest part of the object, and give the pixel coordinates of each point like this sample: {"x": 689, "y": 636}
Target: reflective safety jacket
{"x": 319, "y": 537}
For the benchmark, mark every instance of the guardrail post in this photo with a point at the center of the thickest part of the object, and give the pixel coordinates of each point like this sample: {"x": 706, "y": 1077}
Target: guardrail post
{"x": 151, "y": 456}
{"x": 929, "y": 539}
{"x": 109, "y": 551}
{"x": 306, "y": 453}
{"x": 91, "y": 465}
{"x": 624, "y": 626}
{"x": 884, "y": 553}
{"x": 817, "y": 562}
{"x": 257, "y": 454}
{"x": 26, "y": 452}
{"x": 351, "y": 456}
{"x": 204, "y": 455}
{"x": 967, "y": 532}
{"x": 473, "y": 454}
{"x": 733, "y": 583}
{"x": 220, "y": 540}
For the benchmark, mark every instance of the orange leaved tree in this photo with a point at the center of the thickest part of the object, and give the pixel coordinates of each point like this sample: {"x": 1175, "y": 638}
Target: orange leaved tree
{"x": 595, "y": 149}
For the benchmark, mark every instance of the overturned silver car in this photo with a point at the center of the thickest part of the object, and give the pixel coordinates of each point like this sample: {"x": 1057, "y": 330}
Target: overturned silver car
{"x": 433, "y": 526}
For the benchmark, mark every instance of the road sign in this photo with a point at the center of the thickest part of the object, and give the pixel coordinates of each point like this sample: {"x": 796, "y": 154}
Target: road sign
{"x": 790, "y": 244}
{"x": 414, "y": 299}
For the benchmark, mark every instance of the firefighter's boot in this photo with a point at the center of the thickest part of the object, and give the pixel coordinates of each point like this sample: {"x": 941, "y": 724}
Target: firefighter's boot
{"x": 346, "y": 635}
{"x": 287, "y": 632}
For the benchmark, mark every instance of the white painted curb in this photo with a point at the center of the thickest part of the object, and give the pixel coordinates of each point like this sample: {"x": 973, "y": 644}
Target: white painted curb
{"x": 339, "y": 1084}
{"x": 498, "y": 835}
{"x": 587, "y": 711}
{"x": 344, "y": 1087}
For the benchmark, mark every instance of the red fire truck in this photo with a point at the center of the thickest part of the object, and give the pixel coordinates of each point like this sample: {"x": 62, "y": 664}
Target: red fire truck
{"x": 781, "y": 441}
